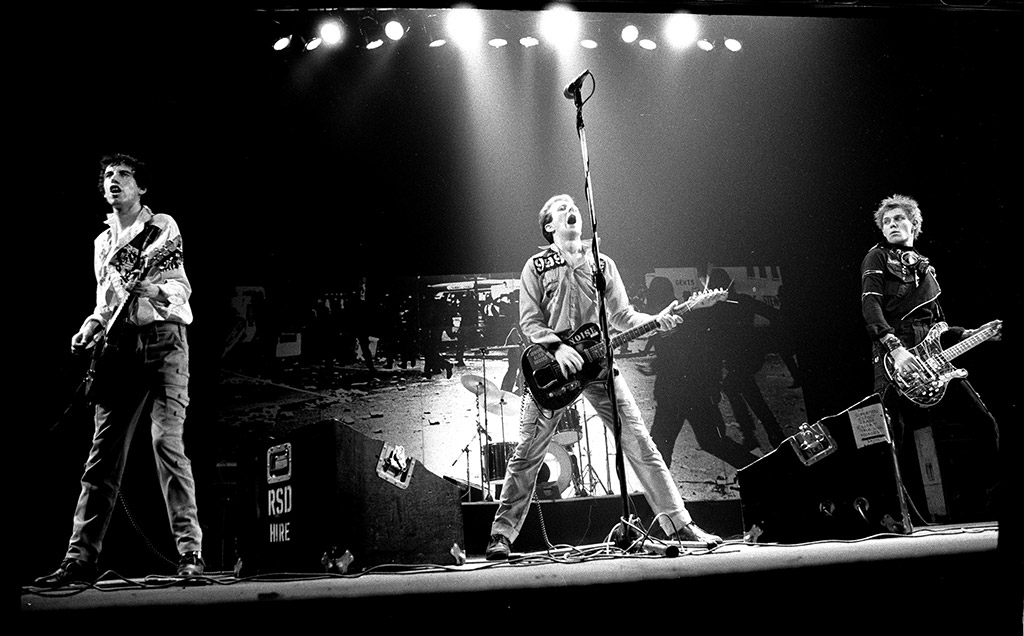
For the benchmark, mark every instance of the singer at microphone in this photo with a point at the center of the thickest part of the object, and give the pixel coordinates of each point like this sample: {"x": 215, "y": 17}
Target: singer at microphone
{"x": 574, "y": 86}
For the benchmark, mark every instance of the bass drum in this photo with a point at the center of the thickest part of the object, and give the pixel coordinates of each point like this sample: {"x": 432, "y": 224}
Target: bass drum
{"x": 555, "y": 474}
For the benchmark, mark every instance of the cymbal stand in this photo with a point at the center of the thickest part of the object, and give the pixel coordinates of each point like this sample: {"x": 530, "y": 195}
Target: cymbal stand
{"x": 469, "y": 484}
{"x": 589, "y": 475}
{"x": 485, "y": 439}
{"x": 483, "y": 387}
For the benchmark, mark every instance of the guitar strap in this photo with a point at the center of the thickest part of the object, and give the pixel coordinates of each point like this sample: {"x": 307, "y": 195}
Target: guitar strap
{"x": 144, "y": 239}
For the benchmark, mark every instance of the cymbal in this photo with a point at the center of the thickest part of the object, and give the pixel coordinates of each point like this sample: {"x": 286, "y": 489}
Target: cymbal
{"x": 477, "y": 385}
{"x": 501, "y": 402}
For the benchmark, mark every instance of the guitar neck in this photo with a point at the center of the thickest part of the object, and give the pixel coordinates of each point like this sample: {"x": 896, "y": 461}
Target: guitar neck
{"x": 967, "y": 344}
{"x": 630, "y": 334}
{"x": 634, "y": 333}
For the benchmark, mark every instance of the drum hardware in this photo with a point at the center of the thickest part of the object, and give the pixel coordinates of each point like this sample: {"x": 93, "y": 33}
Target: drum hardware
{"x": 568, "y": 431}
{"x": 498, "y": 455}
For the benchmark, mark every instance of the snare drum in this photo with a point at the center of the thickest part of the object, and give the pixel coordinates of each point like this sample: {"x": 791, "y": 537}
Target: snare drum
{"x": 496, "y": 460}
{"x": 569, "y": 430}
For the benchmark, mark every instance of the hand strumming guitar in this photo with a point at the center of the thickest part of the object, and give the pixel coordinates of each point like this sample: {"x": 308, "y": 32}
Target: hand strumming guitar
{"x": 569, "y": 360}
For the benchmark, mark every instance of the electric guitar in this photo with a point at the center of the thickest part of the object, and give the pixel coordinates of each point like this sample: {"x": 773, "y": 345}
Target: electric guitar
{"x": 552, "y": 390}
{"x": 927, "y": 389}
{"x": 105, "y": 346}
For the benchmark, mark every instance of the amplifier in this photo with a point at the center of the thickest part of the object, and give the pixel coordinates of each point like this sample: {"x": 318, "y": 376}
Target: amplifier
{"x": 835, "y": 479}
{"x": 330, "y": 499}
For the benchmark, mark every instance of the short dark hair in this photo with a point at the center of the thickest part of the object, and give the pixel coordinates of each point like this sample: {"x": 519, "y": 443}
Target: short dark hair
{"x": 718, "y": 278}
{"x": 139, "y": 169}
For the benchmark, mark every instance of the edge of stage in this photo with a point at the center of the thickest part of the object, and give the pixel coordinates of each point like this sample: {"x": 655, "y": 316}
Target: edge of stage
{"x": 936, "y": 577}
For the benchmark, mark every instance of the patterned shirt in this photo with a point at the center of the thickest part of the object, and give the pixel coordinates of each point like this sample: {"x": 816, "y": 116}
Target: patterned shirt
{"x": 114, "y": 258}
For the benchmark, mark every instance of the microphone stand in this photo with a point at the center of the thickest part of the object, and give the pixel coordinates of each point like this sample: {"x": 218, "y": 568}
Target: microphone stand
{"x": 624, "y": 534}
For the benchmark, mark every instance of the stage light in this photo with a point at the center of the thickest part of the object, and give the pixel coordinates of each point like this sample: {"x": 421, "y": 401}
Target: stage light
{"x": 282, "y": 42}
{"x": 733, "y": 44}
{"x": 313, "y": 42}
{"x": 280, "y": 36}
{"x": 371, "y": 32}
{"x": 529, "y": 41}
{"x": 465, "y": 25}
{"x": 394, "y": 30}
{"x": 331, "y": 32}
{"x": 630, "y": 33}
{"x": 560, "y": 25}
{"x": 705, "y": 45}
{"x": 588, "y": 44}
{"x": 681, "y": 30}
{"x": 435, "y": 31}
{"x": 497, "y": 42}
{"x": 650, "y": 45}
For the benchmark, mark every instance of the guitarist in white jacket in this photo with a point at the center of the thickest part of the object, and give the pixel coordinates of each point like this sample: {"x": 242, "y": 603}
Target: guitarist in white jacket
{"x": 558, "y": 295}
{"x": 137, "y": 334}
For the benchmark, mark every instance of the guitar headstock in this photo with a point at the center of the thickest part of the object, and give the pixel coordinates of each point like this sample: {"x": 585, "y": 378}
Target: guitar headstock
{"x": 703, "y": 298}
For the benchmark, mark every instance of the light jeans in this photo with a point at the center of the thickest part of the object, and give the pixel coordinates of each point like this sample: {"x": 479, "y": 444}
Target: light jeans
{"x": 536, "y": 429}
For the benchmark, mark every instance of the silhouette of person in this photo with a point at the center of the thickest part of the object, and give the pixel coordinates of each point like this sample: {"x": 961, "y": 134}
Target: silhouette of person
{"x": 688, "y": 385}
{"x": 362, "y": 320}
{"x": 436, "y": 317}
{"x": 512, "y": 381}
{"x": 786, "y": 339}
{"x": 745, "y": 348}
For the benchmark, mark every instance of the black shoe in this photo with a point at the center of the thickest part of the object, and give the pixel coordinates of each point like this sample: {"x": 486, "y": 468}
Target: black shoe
{"x": 498, "y": 548}
{"x": 70, "y": 571}
{"x": 191, "y": 564}
{"x": 691, "y": 532}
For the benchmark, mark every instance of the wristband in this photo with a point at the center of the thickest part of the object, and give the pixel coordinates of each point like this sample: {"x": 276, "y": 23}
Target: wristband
{"x": 891, "y": 342}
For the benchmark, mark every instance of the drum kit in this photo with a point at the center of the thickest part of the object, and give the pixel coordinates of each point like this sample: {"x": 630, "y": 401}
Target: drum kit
{"x": 561, "y": 468}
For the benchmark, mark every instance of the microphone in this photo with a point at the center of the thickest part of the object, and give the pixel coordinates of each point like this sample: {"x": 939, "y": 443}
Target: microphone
{"x": 574, "y": 86}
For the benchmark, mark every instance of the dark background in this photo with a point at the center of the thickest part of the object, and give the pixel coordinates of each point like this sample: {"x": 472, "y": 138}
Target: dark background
{"x": 295, "y": 172}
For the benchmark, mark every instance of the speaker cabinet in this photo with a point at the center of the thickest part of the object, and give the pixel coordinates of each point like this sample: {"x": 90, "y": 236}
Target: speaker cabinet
{"x": 331, "y": 499}
{"x": 836, "y": 479}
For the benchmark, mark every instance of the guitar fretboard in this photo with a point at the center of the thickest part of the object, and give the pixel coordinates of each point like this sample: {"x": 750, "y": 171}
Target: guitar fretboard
{"x": 967, "y": 344}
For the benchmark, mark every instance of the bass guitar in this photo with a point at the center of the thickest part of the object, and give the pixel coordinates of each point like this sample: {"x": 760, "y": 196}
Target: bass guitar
{"x": 553, "y": 390}
{"x": 927, "y": 389}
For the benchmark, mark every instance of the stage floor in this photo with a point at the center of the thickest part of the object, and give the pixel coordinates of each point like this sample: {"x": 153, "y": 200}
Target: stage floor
{"x": 938, "y": 576}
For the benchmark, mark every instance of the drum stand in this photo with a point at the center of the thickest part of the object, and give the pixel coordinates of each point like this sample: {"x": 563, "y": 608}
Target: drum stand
{"x": 465, "y": 449}
{"x": 589, "y": 476}
{"x": 494, "y": 400}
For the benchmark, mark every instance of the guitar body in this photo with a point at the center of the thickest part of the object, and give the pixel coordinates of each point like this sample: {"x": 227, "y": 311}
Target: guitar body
{"x": 549, "y": 388}
{"x": 927, "y": 391}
